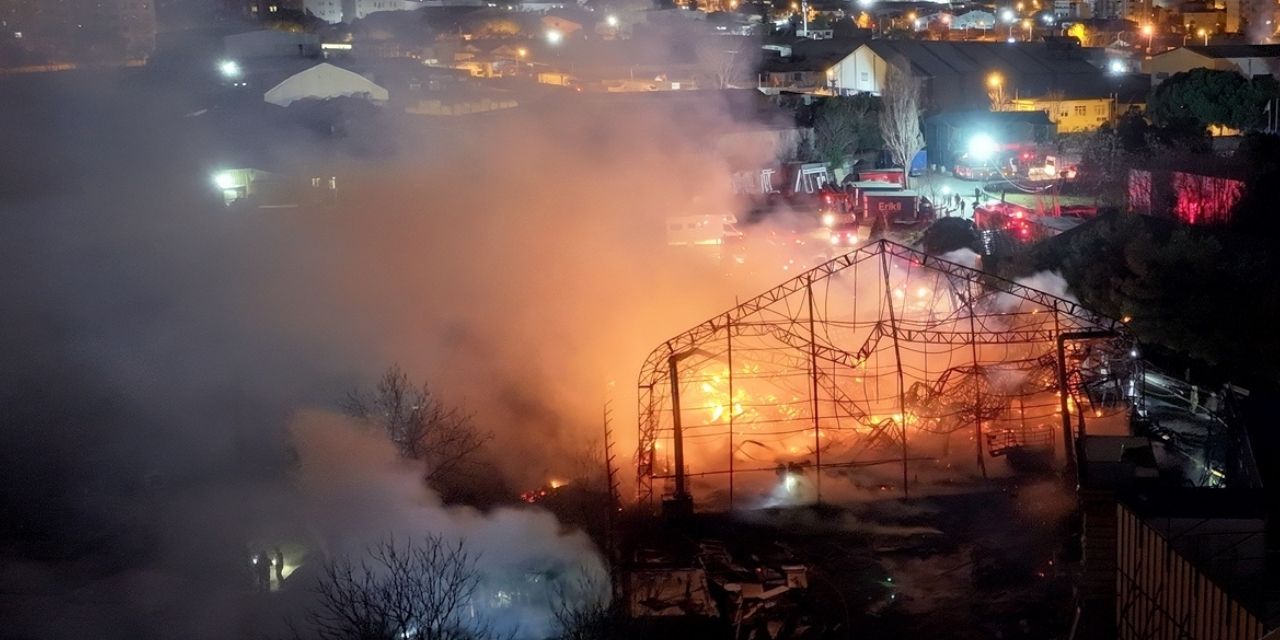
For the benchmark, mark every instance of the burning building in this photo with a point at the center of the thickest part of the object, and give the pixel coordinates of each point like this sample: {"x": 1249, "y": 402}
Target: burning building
{"x": 884, "y": 358}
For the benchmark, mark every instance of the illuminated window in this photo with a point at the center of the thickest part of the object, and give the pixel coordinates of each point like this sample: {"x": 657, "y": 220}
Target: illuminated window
{"x": 1080, "y": 110}
{"x": 1100, "y": 110}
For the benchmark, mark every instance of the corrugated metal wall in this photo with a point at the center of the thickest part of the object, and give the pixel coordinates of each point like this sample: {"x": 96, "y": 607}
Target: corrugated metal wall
{"x": 1161, "y": 595}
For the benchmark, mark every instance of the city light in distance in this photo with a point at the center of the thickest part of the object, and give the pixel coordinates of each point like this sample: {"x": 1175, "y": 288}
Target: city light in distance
{"x": 554, "y": 36}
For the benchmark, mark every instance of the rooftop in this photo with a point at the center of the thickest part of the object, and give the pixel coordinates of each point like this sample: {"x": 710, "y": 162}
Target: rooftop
{"x": 1127, "y": 88}
{"x": 1237, "y": 50}
{"x": 814, "y": 55}
{"x": 938, "y": 58}
{"x": 988, "y": 118}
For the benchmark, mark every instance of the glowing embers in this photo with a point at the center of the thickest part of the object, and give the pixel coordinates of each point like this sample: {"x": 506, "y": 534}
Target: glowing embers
{"x": 544, "y": 492}
{"x": 883, "y": 356}
{"x": 716, "y": 401}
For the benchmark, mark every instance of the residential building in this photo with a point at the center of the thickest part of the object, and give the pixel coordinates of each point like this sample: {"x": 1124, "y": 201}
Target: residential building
{"x": 1137, "y": 10}
{"x": 335, "y": 11}
{"x": 1071, "y": 115}
{"x": 803, "y": 66}
{"x": 80, "y": 31}
{"x": 1207, "y": 17}
{"x": 1081, "y": 9}
{"x": 1233, "y": 22}
{"x": 1085, "y": 106}
{"x": 976, "y": 19}
{"x": 934, "y": 20}
{"x": 263, "y": 8}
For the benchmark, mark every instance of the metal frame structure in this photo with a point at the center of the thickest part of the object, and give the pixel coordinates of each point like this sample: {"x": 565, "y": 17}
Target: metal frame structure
{"x": 875, "y": 357}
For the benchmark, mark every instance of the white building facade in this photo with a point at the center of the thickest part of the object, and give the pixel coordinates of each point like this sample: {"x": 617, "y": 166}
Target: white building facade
{"x": 859, "y": 72}
{"x": 335, "y": 11}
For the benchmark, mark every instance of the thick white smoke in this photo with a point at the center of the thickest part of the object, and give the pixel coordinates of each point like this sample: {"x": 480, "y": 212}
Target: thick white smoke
{"x": 356, "y": 492}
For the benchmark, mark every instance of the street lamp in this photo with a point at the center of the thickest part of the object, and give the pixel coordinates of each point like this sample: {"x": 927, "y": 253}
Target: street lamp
{"x": 982, "y": 147}
{"x": 995, "y": 90}
{"x": 554, "y": 36}
{"x": 230, "y": 69}
{"x": 1008, "y": 17}
{"x": 1026, "y": 24}
{"x": 224, "y": 180}
{"x": 1204, "y": 33}
{"x": 612, "y": 21}
{"x": 1150, "y": 32}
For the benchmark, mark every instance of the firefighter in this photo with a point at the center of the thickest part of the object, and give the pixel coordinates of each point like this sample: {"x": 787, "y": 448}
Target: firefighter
{"x": 262, "y": 571}
{"x": 279, "y": 567}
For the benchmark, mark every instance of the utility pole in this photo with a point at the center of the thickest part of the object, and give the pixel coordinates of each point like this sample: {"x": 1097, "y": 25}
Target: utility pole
{"x": 611, "y": 478}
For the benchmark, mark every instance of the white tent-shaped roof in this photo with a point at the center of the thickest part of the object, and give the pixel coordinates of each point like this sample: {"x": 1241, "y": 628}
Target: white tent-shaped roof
{"x": 322, "y": 82}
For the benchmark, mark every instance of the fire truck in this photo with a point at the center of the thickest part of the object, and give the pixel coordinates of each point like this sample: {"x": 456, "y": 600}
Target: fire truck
{"x": 902, "y": 209}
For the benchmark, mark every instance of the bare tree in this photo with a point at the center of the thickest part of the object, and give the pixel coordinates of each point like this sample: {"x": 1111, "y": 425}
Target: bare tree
{"x": 420, "y": 426}
{"x": 722, "y": 60}
{"x": 995, "y": 92}
{"x": 586, "y": 465}
{"x": 900, "y": 117}
{"x": 844, "y": 125}
{"x": 419, "y": 591}
{"x": 585, "y": 611}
